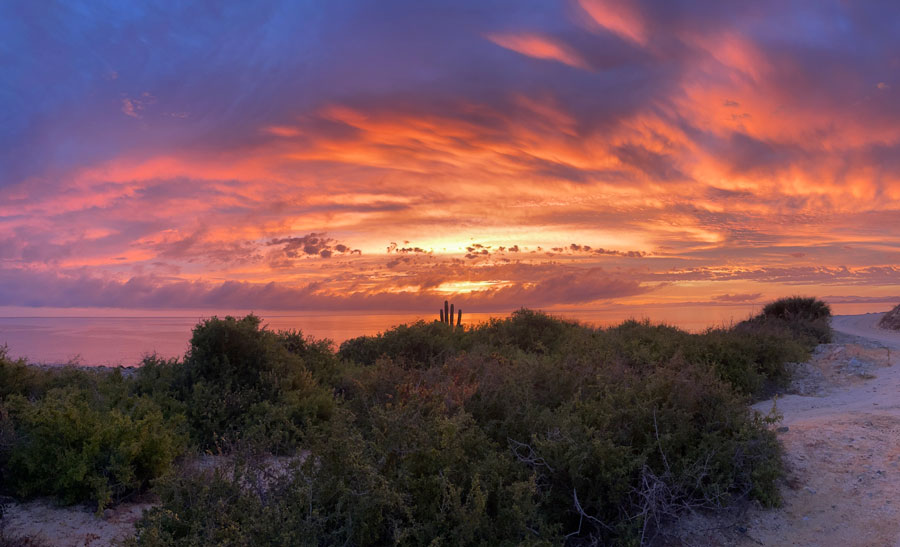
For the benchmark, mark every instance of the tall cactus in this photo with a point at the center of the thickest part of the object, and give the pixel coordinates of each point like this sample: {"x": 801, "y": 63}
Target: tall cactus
{"x": 447, "y": 312}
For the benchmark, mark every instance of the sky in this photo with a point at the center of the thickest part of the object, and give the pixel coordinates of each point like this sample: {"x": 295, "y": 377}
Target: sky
{"x": 389, "y": 154}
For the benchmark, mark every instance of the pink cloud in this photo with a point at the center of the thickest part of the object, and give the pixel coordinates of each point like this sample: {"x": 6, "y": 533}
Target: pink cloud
{"x": 737, "y": 297}
{"x": 540, "y": 47}
{"x": 617, "y": 16}
{"x": 28, "y": 288}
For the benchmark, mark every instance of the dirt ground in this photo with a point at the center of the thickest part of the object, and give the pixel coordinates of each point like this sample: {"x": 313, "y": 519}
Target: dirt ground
{"x": 841, "y": 434}
{"x": 47, "y": 523}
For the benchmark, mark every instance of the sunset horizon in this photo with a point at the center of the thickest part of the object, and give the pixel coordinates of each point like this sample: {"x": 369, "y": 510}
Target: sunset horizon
{"x": 578, "y": 155}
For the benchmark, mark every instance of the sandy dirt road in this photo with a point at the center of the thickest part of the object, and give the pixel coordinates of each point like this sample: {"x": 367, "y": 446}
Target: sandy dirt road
{"x": 842, "y": 451}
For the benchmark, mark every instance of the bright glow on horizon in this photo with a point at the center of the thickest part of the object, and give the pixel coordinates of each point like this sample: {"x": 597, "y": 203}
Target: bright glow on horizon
{"x": 384, "y": 157}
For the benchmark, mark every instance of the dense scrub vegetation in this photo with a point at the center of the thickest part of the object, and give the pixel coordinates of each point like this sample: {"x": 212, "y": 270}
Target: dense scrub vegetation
{"x": 525, "y": 430}
{"x": 80, "y": 434}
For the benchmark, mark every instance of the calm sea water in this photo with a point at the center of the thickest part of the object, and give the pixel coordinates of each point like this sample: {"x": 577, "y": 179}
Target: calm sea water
{"x": 125, "y": 340}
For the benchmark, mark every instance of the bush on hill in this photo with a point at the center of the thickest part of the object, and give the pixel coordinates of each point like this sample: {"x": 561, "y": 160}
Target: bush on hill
{"x": 807, "y": 318}
{"x": 801, "y": 308}
{"x": 891, "y": 320}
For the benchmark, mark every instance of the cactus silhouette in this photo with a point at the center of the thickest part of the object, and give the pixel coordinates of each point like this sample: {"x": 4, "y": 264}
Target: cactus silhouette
{"x": 446, "y": 314}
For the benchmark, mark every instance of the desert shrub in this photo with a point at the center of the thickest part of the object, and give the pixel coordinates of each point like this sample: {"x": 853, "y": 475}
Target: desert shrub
{"x": 891, "y": 320}
{"x": 81, "y": 434}
{"x": 242, "y": 382}
{"x": 7, "y": 439}
{"x": 73, "y": 445}
{"x": 620, "y": 428}
{"x": 528, "y": 331}
{"x": 156, "y": 375}
{"x": 636, "y": 445}
{"x": 431, "y": 343}
{"x": 17, "y": 377}
{"x": 157, "y": 379}
{"x": 445, "y": 485}
{"x": 462, "y": 487}
{"x": 797, "y": 308}
{"x": 749, "y": 357}
{"x": 807, "y": 318}
{"x": 235, "y": 352}
{"x": 213, "y": 508}
{"x": 319, "y": 356}
{"x": 421, "y": 343}
{"x": 691, "y": 443}
{"x": 336, "y": 499}
{"x": 642, "y": 344}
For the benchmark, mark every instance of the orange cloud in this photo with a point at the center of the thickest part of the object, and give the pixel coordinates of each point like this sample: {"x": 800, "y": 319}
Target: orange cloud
{"x": 619, "y": 17}
{"x": 282, "y": 131}
{"x": 540, "y": 47}
{"x": 729, "y": 184}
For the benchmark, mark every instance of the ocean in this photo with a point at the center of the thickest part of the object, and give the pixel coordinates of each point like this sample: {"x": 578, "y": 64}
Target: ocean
{"x": 124, "y": 339}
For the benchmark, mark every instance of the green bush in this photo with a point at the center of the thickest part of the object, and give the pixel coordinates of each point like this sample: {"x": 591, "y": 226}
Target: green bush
{"x": 690, "y": 443}
{"x": 17, "y": 377}
{"x": 418, "y": 344}
{"x": 157, "y": 379}
{"x": 750, "y": 357}
{"x": 318, "y": 356}
{"x": 81, "y": 434}
{"x": 444, "y": 485}
{"x": 602, "y": 430}
{"x": 528, "y": 331}
{"x": 750, "y": 360}
{"x": 808, "y": 319}
{"x": 241, "y": 382}
{"x": 71, "y": 445}
{"x": 797, "y": 308}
